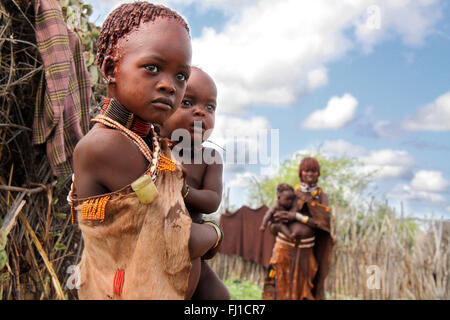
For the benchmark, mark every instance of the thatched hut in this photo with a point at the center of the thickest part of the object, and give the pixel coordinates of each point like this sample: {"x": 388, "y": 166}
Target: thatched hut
{"x": 37, "y": 243}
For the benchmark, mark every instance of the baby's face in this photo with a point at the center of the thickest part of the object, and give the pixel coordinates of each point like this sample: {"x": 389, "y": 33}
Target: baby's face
{"x": 197, "y": 107}
{"x": 286, "y": 199}
{"x": 151, "y": 68}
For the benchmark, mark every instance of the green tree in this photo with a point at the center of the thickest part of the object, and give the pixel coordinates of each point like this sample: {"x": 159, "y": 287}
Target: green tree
{"x": 343, "y": 179}
{"x": 340, "y": 177}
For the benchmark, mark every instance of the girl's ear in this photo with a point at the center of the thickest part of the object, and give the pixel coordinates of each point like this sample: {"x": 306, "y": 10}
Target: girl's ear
{"x": 108, "y": 69}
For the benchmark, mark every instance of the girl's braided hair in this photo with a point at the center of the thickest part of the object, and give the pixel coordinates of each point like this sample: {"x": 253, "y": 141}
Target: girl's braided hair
{"x": 125, "y": 19}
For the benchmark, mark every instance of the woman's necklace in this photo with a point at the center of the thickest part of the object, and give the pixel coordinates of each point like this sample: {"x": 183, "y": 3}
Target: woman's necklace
{"x": 306, "y": 188}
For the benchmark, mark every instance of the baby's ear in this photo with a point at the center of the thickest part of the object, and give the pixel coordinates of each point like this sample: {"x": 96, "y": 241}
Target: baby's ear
{"x": 108, "y": 69}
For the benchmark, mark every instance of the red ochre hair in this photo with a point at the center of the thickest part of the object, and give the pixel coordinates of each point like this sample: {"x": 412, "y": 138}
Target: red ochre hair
{"x": 125, "y": 19}
{"x": 308, "y": 164}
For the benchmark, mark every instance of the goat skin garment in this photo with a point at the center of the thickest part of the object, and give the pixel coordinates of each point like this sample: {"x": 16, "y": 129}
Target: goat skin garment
{"x": 149, "y": 243}
{"x": 300, "y": 273}
{"x": 295, "y": 269}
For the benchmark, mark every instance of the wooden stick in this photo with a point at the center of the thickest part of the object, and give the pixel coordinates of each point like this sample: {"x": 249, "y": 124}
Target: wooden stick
{"x": 34, "y": 260}
{"x": 18, "y": 189}
{"x": 49, "y": 218}
{"x": 12, "y": 125}
{"x": 27, "y": 190}
{"x": 10, "y": 219}
{"x": 48, "y": 264}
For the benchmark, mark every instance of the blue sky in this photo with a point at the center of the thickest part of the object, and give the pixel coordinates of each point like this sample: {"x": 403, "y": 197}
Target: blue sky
{"x": 367, "y": 79}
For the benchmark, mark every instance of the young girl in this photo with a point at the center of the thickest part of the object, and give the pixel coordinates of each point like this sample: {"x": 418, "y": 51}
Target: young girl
{"x": 202, "y": 190}
{"x": 126, "y": 194}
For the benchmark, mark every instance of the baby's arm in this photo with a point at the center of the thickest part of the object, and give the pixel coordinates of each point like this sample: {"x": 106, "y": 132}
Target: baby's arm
{"x": 294, "y": 207}
{"x": 208, "y": 198}
{"x": 268, "y": 216}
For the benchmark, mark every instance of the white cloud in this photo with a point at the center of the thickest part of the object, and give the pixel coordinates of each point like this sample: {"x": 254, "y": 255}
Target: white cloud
{"x": 413, "y": 21}
{"x": 242, "y": 180}
{"x": 434, "y": 116}
{"x": 425, "y": 180}
{"x": 317, "y": 78}
{"x": 343, "y": 147}
{"x": 407, "y": 192}
{"x": 230, "y": 128}
{"x": 273, "y": 52}
{"x": 385, "y": 129}
{"x": 388, "y": 163}
{"x": 384, "y": 163}
{"x": 338, "y": 113}
{"x": 425, "y": 186}
{"x": 241, "y": 140}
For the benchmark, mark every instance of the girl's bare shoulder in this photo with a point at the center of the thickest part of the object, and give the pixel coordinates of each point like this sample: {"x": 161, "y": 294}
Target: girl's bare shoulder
{"x": 102, "y": 145}
{"x": 100, "y": 141}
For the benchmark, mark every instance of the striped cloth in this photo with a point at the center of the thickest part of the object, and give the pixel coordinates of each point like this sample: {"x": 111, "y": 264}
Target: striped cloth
{"x": 62, "y": 113}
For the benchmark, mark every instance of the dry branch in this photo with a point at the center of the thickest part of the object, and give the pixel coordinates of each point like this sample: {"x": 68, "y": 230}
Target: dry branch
{"x": 47, "y": 262}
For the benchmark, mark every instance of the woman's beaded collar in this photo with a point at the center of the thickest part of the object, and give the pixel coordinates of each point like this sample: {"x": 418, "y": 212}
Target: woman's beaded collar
{"x": 306, "y": 188}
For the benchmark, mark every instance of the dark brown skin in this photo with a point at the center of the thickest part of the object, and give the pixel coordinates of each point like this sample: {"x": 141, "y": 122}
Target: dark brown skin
{"x": 284, "y": 202}
{"x": 292, "y": 229}
{"x": 300, "y": 230}
{"x": 204, "y": 180}
{"x": 147, "y": 74}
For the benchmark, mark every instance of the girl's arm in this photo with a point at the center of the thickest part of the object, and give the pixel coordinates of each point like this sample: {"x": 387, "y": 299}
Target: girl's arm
{"x": 203, "y": 238}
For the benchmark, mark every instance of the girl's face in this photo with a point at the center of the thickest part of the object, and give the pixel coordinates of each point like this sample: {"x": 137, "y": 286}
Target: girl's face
{"x": 310, "y": 177}
{"x": 197, "y": 107}
{"x": 150, "y": 68}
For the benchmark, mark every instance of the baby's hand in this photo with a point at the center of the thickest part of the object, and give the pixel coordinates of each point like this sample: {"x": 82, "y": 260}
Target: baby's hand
{"x": 262, "y": 228}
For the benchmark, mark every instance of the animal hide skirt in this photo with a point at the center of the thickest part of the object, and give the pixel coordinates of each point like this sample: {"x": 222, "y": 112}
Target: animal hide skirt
{"x": 295, "y": 268}
{"x": 134, "y": 250}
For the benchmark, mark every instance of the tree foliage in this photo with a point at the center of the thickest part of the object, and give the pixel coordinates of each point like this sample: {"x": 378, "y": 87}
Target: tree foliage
{"x": 340, "y": 177}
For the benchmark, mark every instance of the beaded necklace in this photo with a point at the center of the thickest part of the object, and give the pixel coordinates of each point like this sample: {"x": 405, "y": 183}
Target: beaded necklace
{"x": 115, "y": 111}
{"x": 306, "y": 188}
{"x": 138, "y": 141}
{"x": 94, "y": 208}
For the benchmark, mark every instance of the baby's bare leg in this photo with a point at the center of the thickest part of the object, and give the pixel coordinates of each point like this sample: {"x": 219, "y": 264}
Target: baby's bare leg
{"x": 299, "y": 230}
{"x": 284, "y": 229}
{"x": 210, "y": 287}
{"x": 194, "y": 277}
